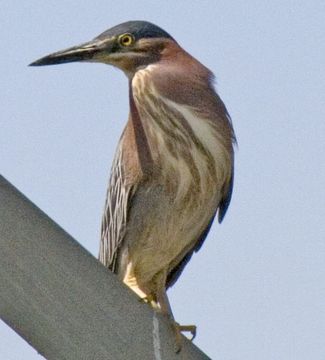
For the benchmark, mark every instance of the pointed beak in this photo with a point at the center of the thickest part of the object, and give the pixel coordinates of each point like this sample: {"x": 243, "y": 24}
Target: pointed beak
{"x": 88, "y": 51}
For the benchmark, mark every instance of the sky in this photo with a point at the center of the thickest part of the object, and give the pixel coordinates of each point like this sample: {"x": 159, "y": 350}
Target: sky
{"x": 256, "y": 290}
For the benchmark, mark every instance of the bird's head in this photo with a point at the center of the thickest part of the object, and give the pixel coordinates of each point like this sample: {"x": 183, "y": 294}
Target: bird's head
{"x": 129, "y": 46}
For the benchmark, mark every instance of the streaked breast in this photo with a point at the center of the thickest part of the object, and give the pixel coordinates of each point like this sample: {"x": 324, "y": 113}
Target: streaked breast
{"x": 188, "y": 150}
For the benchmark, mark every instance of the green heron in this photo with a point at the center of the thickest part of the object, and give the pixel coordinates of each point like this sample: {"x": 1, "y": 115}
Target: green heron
{"x": 173, "y": 168}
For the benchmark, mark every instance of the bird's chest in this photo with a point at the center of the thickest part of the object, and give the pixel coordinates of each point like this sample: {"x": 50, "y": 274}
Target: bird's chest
{"x": 174, "y": 204}
{"x": 184, "y": 151}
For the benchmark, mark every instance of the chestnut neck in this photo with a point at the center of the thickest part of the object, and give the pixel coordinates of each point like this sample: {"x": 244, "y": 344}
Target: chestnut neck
{"x": 141, "y": 141}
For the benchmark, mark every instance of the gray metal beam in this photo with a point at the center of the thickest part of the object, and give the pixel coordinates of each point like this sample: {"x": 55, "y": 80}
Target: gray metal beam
{"x": 61, "y": 300}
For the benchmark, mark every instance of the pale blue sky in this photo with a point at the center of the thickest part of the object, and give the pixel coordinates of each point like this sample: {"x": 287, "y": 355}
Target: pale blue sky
{"x": 256, "y": 290}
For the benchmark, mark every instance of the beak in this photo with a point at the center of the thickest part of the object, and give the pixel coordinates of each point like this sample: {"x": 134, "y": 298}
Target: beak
{"x": 88, "y": 51}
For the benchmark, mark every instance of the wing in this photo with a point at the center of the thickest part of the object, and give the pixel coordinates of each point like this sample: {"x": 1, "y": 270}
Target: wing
{"x": 115, "y": 214}
{"x": 222, "y": 209}
{"x": 225, "y": 201}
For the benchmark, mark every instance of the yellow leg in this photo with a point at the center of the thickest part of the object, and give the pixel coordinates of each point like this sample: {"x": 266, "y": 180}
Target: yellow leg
{"x": 177, "y": 328}
{"x": 131, "y": 281}
{"x": 150, "y": 299}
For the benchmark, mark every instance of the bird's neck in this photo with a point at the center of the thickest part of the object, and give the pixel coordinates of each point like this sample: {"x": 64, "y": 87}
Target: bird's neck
{"x": 166, "y": 125}
{"x": 141, "y": 142}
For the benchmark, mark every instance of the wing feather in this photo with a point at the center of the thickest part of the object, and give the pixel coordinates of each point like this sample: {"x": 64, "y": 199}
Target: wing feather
{"x": 115, "y": 214}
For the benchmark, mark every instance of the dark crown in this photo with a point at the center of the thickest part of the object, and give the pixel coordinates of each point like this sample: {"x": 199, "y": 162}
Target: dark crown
{"x": 139, "y": 29}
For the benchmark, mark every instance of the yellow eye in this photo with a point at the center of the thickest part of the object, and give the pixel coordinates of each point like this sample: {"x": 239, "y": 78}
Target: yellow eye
{"x": 126, "y": 40}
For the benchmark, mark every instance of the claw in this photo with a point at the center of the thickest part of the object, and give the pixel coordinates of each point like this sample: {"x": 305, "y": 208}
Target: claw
{"x": 178, "y": 329}
{"x": 188, "y": 328}
{"x": 149, "y": 299}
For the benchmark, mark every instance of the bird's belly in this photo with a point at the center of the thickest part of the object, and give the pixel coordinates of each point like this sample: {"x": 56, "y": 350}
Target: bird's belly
{"x": 163, "y": 227}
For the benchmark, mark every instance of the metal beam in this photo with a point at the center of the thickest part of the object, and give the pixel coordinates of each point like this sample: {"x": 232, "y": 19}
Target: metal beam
{"x": 60, "y": 299}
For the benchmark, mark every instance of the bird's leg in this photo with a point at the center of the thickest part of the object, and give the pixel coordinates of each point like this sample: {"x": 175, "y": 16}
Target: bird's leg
{"x": 151, "y": 300}
{"x": 131, "y": 281}
{"x": 165, "y": 309}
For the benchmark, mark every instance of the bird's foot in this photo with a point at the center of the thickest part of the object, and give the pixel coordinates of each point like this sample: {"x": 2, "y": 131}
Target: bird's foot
{"x": 149, "y": 299}
{"x": 178, "y": 329}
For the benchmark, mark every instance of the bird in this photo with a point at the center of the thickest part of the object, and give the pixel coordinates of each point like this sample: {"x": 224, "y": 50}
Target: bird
{"x": 173, "y": 169}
